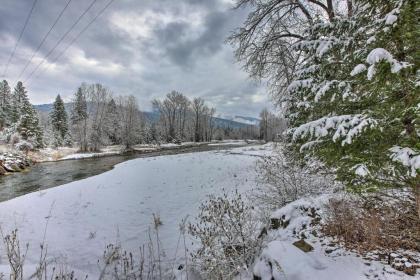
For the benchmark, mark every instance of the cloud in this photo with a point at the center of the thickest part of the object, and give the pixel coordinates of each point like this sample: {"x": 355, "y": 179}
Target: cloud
{"x": 145, "y": 48}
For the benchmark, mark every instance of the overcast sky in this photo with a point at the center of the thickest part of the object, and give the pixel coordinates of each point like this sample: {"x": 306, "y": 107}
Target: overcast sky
{"x": 142, "y": 47}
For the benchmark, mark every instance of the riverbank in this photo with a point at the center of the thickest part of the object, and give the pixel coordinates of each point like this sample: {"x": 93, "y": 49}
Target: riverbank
{"x": 70, "y": 153}
{"x": 48, "y": 174}
{"x": 12, "y": 161}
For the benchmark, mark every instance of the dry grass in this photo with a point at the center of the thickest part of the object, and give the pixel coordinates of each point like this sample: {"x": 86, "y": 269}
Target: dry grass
{"x": 374, "y": 223}
{"x": 148, "y": 263}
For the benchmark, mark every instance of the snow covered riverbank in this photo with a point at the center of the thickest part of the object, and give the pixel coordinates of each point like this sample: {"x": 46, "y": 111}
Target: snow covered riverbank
{"x": 84, "y": 216}
{"x": 67, "y": 153}
{"x": 295, "y": 248}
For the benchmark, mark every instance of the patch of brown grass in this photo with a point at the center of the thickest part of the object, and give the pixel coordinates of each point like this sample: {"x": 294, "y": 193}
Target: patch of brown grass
{"x": 374, "y": 222}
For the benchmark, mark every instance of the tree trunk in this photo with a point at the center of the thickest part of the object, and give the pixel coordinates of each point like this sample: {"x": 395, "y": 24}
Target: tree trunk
{"x": 330, "y": 9}
{"x": 350, "y": 8}
{"x": 417, "y": 192}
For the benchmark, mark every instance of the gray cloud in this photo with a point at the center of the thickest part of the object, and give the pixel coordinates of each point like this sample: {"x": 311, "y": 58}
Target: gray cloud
{"x": 146, "y": 48}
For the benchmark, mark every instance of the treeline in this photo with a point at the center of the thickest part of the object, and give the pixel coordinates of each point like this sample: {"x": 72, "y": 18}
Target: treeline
{"x": 96, "y": 117}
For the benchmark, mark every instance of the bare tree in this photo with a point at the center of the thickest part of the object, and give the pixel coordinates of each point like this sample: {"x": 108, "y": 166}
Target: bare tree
{"x": 99, "y": 96}
{"x": 130, "y": 119}
{"x": 173, "y": 112}
{"x": 266, "y": 41}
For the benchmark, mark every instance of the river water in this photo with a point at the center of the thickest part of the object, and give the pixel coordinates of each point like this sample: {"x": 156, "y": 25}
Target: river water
{"x": 47, "y": 175}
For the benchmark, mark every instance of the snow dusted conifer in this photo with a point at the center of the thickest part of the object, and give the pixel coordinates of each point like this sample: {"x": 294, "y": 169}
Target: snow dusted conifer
{"x": 27, "y": 118}
{"x": 58, "y": 117}
{"x": 354, "y": 101}
{"x": 112, "y": 123}
{"x": 79, "y": 118}
{"x": 19, "y": 95}
{"x": 5, "y": 104}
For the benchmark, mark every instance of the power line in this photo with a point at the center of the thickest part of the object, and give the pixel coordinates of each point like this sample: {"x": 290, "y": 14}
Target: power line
{"x": 80, "y": 33}
{"x": 61, "y": 39}
{"x": 20, "y": 37}
{"x": 43, "y": 39}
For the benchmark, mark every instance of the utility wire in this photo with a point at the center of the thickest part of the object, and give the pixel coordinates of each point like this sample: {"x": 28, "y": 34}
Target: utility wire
{"x": 61, "y": 39}
{"x": 20, "y": 37}
{"x": 43, "y": 39}
{"x": 79, "y": 34}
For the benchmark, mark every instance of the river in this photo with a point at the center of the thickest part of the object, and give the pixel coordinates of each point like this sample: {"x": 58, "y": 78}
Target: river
{"x": 47, "y": 175}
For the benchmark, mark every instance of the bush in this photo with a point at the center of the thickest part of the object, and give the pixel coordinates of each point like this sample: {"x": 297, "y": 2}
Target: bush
{"x": 24, "y": 146}
{"x": 282, "y": 180}
{"x": 225, "y": 229}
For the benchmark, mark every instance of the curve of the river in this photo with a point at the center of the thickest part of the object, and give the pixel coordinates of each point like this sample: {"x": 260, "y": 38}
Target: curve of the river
{"x": 47, "y": 175}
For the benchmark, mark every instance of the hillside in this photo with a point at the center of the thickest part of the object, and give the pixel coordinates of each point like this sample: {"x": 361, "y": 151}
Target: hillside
{"x": 220, "y": 122}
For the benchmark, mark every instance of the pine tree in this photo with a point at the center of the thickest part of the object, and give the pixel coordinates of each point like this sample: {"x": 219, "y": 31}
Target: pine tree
{"x": 112, "y": 123}
{"x": 27, "y": 117}
{"x": 58, "y": 117}
{"x": 5, "y": 104}
{"x": 19, "y": 95}
{"x": 79, "y": 117}
{"x": 79, "y": 111}
{"x": 354, "y": 102}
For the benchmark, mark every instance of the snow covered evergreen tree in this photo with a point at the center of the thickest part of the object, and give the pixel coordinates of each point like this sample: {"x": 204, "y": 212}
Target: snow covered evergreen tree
{"x": 355, "y": 99}
{"x": 25, "y": 117}
{"x": 18, "y": 97}
{"x": 346, "y": 75}
{"x": 5, "y": 104}
{"x": 79, "y": 118}
{"x": 112, "y": 123}
{"x": 58, "y": 117}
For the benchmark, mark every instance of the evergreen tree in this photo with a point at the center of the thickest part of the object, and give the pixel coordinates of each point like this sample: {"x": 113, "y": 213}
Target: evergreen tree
{"x": 354, "y": 102}
{"x": 27, "y": 117}
{"x": 19, "y": 95}
{"x": 79, "y": 112}
{"x": 58, "y": 117}
{"x": 79, "y": 118}
{"x": 112, "y": 123}
{"x": 5, "y": 104}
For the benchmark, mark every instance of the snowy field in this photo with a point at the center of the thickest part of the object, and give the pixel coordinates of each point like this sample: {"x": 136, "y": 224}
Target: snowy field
{"x": 117, "y": 206}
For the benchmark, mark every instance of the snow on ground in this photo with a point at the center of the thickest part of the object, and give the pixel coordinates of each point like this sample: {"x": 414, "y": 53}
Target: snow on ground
{"x": 228, "y": 142}
{"x": 282, "y": 260}
{"x": 84, "y": 216}
{"x": 66, "y": 153}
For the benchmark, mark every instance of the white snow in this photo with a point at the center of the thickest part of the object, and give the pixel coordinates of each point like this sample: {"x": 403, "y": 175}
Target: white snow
{"x": 379, "y": 54}
{"x": 406, "y": 157}
{"x": 371, "y": 40}
{"x": 392, "y": 17}
{"x": 87, "y": 215}
{"x": 299, "y": 84}
{"x": 344, "y": 126}
{"x": 228, "y": 142}
{"x": 282, "y": 260}
{"x": 358, "y": 69}
{"x": 88, "y": 155}
{"x": 361, "y": 170}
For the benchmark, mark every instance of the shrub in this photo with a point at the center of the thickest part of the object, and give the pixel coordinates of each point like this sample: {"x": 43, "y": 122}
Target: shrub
{"x": 225, "y": 229}
{"x": 282, "y": 180}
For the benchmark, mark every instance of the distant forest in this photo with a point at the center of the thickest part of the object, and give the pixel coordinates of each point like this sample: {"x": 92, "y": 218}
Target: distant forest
{"x": 96, "y": 117}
